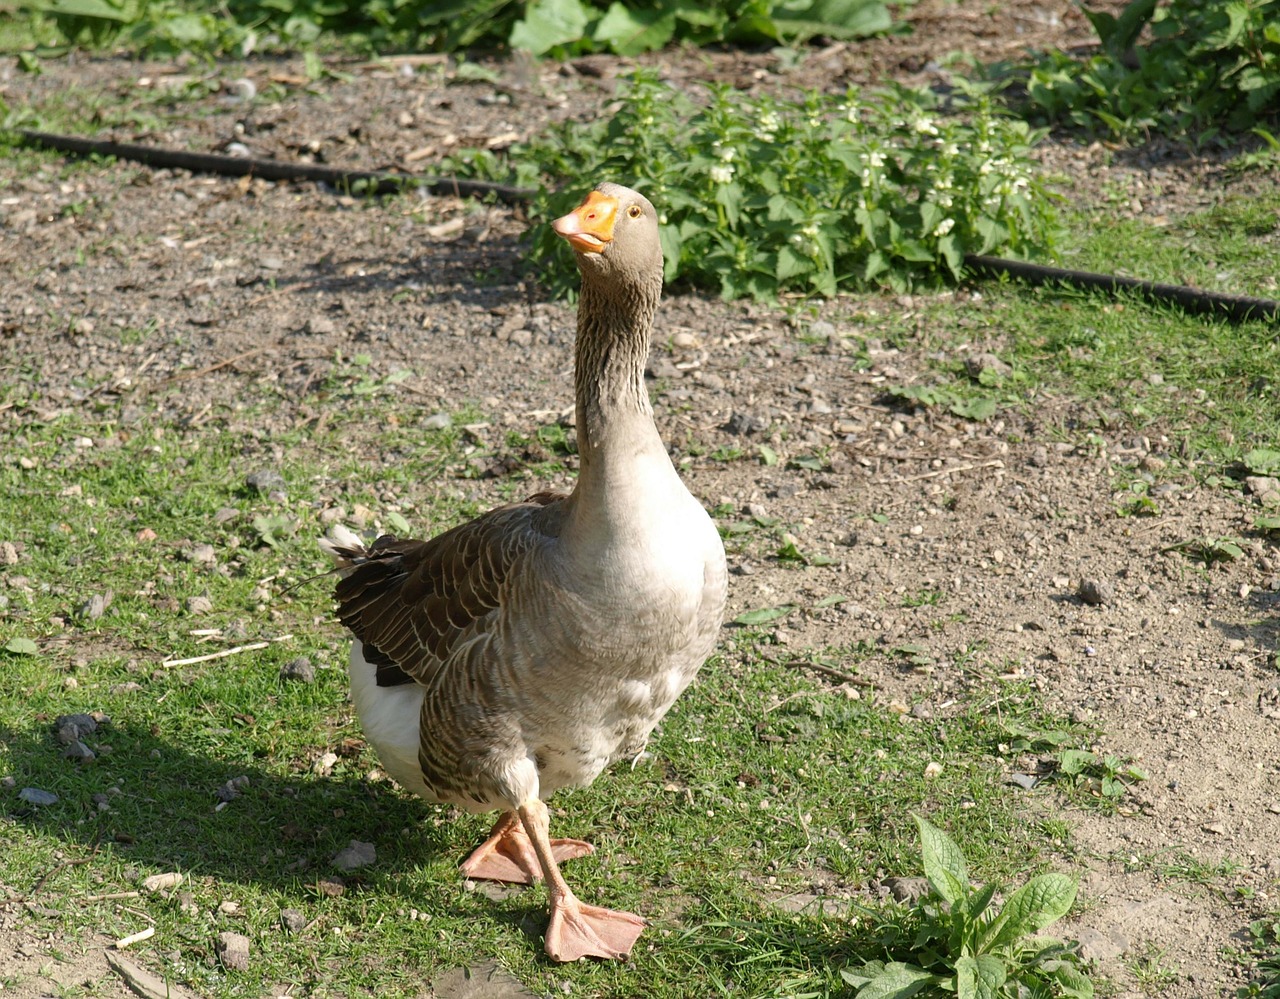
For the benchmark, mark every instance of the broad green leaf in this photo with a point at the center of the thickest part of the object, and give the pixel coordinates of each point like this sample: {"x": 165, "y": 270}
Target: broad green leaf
{"x": 1262, "y": 461}
{"x": 980, "y": 977}
{"x": 101, "y": 9}
{"x": 21, "y": 647}
{"x": 548, "y": 23}
{"x": 808, "y": 462}
{"x": 398, "y": 524}
{"x": 791, "y": 262}
{"x": 1073, "y": 983}
{"x": 981, "y": 408}
{"x": 894, "y": 980}
{"x": 764, "y": 615}
{"x": 768, "y": 456}
{"x": 790, "y": 553}
{"x": 630, "y": 32}
{"x": 831, "y": 601}
{"x": 836, "y": 18}
{"x": 1076, "y": 761}
{"x": 1041, "y": 902}
{"x": 944, "y": 865}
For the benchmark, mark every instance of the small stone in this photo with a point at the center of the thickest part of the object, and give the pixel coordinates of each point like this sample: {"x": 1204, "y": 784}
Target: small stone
{"x": 225, "y": 515}
{"x": 77, "y": 726}
{"x": 1217, "y": 828}
{"x": 932, "y": 769}
{"x": 264, "y": 481}
{"x": 239, "y": 150}
{"x": 907, "y": 889}
{"x": 83, "y": 326}
{"x": 231, "y": 789}
{"x": 79, "y": 752}
{"x": 272, "y": 263}
{"x": 523, "y": 338}
{"x": 438, "y": 421}
{"x": 321, "y": 326}
{"x": 233, "y": 951}
{"x": 1260, "y": 484}
{"x": 357, "y": 854}
{"x": 8, "y": 553}
{"x": 228, "y": 908}
{"x": 1096, "y": 591}
{"x": 293, "y": 920}
{"x": 35, "y": 796}
{"x": 201, "y": 554}
{"x": 298, "y": 669}
{"x": 199, "y": 605}
{"x": 331, "y": 887}
{"x": 663, "y": 367}
{"x": 980, "y": 364}
{"x": 821, "y": 328}
{"x": 95, "y": 606}
{"x": 324, "y": 765}
{"x": 744, "y": 423}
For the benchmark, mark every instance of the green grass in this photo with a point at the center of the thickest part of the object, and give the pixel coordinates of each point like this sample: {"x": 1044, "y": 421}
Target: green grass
{"x": 761, "y": 780}
{"x": 1203, "y": 390}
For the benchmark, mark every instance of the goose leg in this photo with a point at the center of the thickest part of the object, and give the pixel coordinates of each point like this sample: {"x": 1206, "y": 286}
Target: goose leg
{"x": 576, "y": 930}
{"x": 508, "y": 855}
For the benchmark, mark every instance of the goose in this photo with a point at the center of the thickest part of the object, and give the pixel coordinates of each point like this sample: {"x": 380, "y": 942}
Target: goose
{"x": 528, "y": 649}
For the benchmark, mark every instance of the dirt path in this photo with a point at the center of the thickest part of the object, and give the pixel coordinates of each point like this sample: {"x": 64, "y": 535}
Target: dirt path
{"x": 131, "y": 287}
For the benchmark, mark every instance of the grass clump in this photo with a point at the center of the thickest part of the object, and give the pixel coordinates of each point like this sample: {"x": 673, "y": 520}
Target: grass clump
{"x": 761, "y": 196}
{"x": 967, "y": 946}
{"x": 1204, "y": 65}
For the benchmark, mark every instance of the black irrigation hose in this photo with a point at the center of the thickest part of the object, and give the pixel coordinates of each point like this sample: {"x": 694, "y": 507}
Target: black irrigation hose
{"x": 1235, "y": 308}
{"x": 366, "y": 181}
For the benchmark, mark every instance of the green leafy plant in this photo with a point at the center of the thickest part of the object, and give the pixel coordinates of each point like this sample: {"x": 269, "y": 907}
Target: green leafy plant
{"x": 1264, "y": 949}
{"x": 1209, "y": 550}
{"x": 970, "y": 407}
{"x": 1105, "y": 776}
{"x": 758, "y": 194}
{"x": 1180, "y": 65}
{"x": 967, "y": 946}
{"x": 558, "y": 27}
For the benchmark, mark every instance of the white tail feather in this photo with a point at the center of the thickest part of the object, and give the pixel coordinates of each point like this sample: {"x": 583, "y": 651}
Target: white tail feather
{"x": 340, "y": 538}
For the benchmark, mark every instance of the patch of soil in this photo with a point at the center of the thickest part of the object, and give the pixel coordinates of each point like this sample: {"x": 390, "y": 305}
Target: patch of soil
{"x": 135, "y": 291}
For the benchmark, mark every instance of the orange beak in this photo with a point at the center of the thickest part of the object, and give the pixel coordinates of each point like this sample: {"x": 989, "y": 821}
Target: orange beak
{"x": 589, "y": 226}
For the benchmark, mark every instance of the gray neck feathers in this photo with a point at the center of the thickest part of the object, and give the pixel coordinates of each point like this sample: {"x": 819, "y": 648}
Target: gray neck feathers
{"x": 614, "y": 322}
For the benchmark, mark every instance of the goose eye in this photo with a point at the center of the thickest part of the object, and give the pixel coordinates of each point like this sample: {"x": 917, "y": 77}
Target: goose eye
{"x": 634, "y": 211}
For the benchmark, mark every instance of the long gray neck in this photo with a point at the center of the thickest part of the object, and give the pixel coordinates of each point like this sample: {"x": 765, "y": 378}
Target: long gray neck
{"x": 614, "y": 322}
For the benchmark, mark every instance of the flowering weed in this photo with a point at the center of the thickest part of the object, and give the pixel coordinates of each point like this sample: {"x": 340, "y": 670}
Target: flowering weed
{"x": 761, "y": 195}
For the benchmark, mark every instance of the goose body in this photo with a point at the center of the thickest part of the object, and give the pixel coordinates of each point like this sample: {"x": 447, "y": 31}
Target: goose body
{"x": 528, "y": 649}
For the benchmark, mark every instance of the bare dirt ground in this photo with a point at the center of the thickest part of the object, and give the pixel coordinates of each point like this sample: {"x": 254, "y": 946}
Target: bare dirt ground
{"x": 248, "y": 289}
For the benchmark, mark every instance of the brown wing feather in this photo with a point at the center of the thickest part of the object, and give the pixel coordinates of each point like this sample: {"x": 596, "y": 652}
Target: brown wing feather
{"x": 409, "y": 601}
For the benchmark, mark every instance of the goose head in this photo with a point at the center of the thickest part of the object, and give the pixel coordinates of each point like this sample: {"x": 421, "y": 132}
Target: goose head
{"x": 614, "y": 235}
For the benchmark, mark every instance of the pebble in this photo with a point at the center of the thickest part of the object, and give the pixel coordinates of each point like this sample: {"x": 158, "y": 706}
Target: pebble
{"x": 979, "y": 364}
{"x": 321, "y": 326}
{"x": 1096, "y": 592}
{"x": 356, "y": 854}
{"x": 199, "y": 605}
{"x": 233, "y": 951}
{"x": 742, "y": 422}
{"x": 265, "y": 480}
{"x": 293, "y": 920}
{"x": 80, "y": 752}
{"x": 438, "y": 421}
{"x": 231, "y": 789}
{"x": 35, "y": 796}
{"x": 298, "y": 669}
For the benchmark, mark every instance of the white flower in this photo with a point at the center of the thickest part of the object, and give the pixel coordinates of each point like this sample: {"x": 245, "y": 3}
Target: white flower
{"x": 925, "y": 126}
{"x": 810, "y": 230}
{"x": 945, "y": 200}
{"x": 950, "y": 149}
{"x": 722, "y": 173}
{"x": 986, "y": 167}
{"x": 944, "y": 227}
{"x": 874, "y": 160}
{"x": 726, "y": 153}
{"x": 767, "y": 127}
